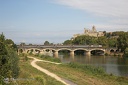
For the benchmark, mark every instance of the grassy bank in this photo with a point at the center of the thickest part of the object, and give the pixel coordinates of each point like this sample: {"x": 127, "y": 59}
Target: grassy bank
{"x": 46, "y": 57}
{"x": 84, "y": 74}
{"x": 77, "y": 73}
{"x": 31, "y": 76}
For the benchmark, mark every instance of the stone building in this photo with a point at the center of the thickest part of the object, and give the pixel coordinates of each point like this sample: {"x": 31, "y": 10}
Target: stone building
{"x": 89, "y": 32}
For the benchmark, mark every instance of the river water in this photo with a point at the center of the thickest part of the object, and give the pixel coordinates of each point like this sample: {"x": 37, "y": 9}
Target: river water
{"x": 112, "y": 65}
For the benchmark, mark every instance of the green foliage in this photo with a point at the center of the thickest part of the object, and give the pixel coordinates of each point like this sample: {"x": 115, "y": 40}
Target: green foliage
{"x": 108, "y": 35}
{"x": 8, "y": 58}
{"x": 13, "y": 62}
{"x": 112, "y": 42}
{"x": 46, "y": 43}
{"x": 84, "y": 40}
{"x": 114, "y": 39}
{"x": 31, "y": 52}
{"x": 117, "y": 33}
{"x": 25, "y": 58}
{"x": 49, "y": 58}
{"x": 41, "y": 79}
{"x": 68, "y": 42}
{"x": 1, "y": 80}
{"x": 2, "y": 38}
{"x": 22, "y": 44}
{"x": 122, "y": 41}
{"x": 89, "y": 40}
{"x": 126, "y": 52}
{"x": 87, "y": 68}
{"x": 83, "y": 74}
{"x": 31, "y": 76}
{"x": 102, "y": 41}
{"x": 11, "y": 44}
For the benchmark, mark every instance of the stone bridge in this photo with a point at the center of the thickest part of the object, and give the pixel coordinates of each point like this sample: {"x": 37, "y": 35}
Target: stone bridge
{"x": 54, "y": 49}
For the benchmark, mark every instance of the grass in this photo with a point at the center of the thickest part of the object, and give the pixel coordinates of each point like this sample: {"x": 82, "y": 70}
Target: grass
{"x": 77, "y": 73}
{"x": 31, "y": 76}
{"x": 84, "y": 74}
{"x": 46, "y": 57}
{"x": 49, "y": 58}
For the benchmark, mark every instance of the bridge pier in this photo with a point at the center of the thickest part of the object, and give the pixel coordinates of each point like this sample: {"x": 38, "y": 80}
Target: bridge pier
{"x": 56, "y": 54}
{"x": 42, "y": 52}
{"x": 72, "y": 53}
{"x": 24, "y": 50}
{"x": 88, "y": 53}
{"x": 34, "y": 51}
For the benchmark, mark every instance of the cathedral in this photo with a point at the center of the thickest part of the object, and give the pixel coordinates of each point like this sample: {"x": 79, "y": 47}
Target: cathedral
{"x": 89, "y": 32}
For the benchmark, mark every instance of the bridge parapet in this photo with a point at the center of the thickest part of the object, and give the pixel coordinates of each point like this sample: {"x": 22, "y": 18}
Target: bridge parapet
{"x": 60, "y": 46}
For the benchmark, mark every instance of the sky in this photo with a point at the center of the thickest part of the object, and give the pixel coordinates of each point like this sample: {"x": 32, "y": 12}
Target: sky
{"x": 37, "y": 21}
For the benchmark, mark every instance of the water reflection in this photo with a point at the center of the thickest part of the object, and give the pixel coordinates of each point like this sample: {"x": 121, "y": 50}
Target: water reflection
{"x": 115, "y": 65}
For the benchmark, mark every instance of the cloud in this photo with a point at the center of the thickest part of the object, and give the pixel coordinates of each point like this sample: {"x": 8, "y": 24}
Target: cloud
{"x": 115, "y": 12}
{"x": 104, "y": 27}
{"x": 106, "y": 8}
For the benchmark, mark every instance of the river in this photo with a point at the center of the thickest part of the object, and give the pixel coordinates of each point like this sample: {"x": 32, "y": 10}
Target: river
{"x": 112, "y": 65}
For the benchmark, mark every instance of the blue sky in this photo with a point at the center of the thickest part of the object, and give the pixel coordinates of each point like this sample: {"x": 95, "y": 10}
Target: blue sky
{"x": 35, "y": 21}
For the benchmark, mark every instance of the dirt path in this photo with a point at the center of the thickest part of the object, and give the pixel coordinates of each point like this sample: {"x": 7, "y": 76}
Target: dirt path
{"x": 64, "y": 81}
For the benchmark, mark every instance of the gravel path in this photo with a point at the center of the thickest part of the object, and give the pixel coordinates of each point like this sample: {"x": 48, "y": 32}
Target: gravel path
{"x": 64, "y": 81}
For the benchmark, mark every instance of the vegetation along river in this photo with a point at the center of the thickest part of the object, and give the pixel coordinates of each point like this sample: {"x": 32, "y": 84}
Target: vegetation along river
{"x": 111, "y": 64}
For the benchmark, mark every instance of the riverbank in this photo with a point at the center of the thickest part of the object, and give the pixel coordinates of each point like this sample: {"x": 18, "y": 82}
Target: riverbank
{"x": 64, "y": 81}
{"x": 84, "y": 74}
{"x": 31, "y": 76}
{"x": 115, "y": 54}
{"x": 77, "y": 73}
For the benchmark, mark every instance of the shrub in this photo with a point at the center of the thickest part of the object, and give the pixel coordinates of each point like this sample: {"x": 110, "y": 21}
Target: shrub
{"x": 126, "y": 53}
{"x": 41, "y": 79}
{"x": 49, "y": 58}
{"x": 87, "y": 68}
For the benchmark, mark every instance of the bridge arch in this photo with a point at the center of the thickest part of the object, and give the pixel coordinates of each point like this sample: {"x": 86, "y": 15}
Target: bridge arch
{"x": 97, "y": 51}
{"x": 112, "y": 50}
{"x": 20, "y": 50}
{"x": 81, "y": 51}
{"x": 64, "y": 49}
{"x": 32, "y": 50}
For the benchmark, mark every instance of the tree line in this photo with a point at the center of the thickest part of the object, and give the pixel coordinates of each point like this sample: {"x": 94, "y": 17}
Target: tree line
{"x": 118, "y": 39}
{"x": 112, "y": 39}
{"x": 8, "y": 59}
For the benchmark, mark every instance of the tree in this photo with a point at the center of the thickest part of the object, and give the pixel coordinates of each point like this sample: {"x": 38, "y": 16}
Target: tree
{"x": 85, "y": 40}
{"x": 46, "y": 43}
{"x": 102, "y": 41}
{"x": 117, "y": 33}
{"x": 122, "y": 42}
{"x": 126, "y": 53}
{"x": 22, "y": 44}
{"x": 2, "y": 38}
{"x": 68, "y": 42}
{"x": 112, "y": 42}
{"x": 8, "y": 59}
{"x": 9, "y": 42}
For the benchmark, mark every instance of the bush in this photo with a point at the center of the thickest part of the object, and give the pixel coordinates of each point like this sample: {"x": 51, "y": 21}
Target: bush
{"x": 126, "y": 53}
{"x": 106, "y": 54}
{"x": 8, "y": 59}
{"x": 41, "y": 79}
{"x": 49, "y": 58}
{"x": 25, "y": 58}
{"x": 87, "y": 68}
